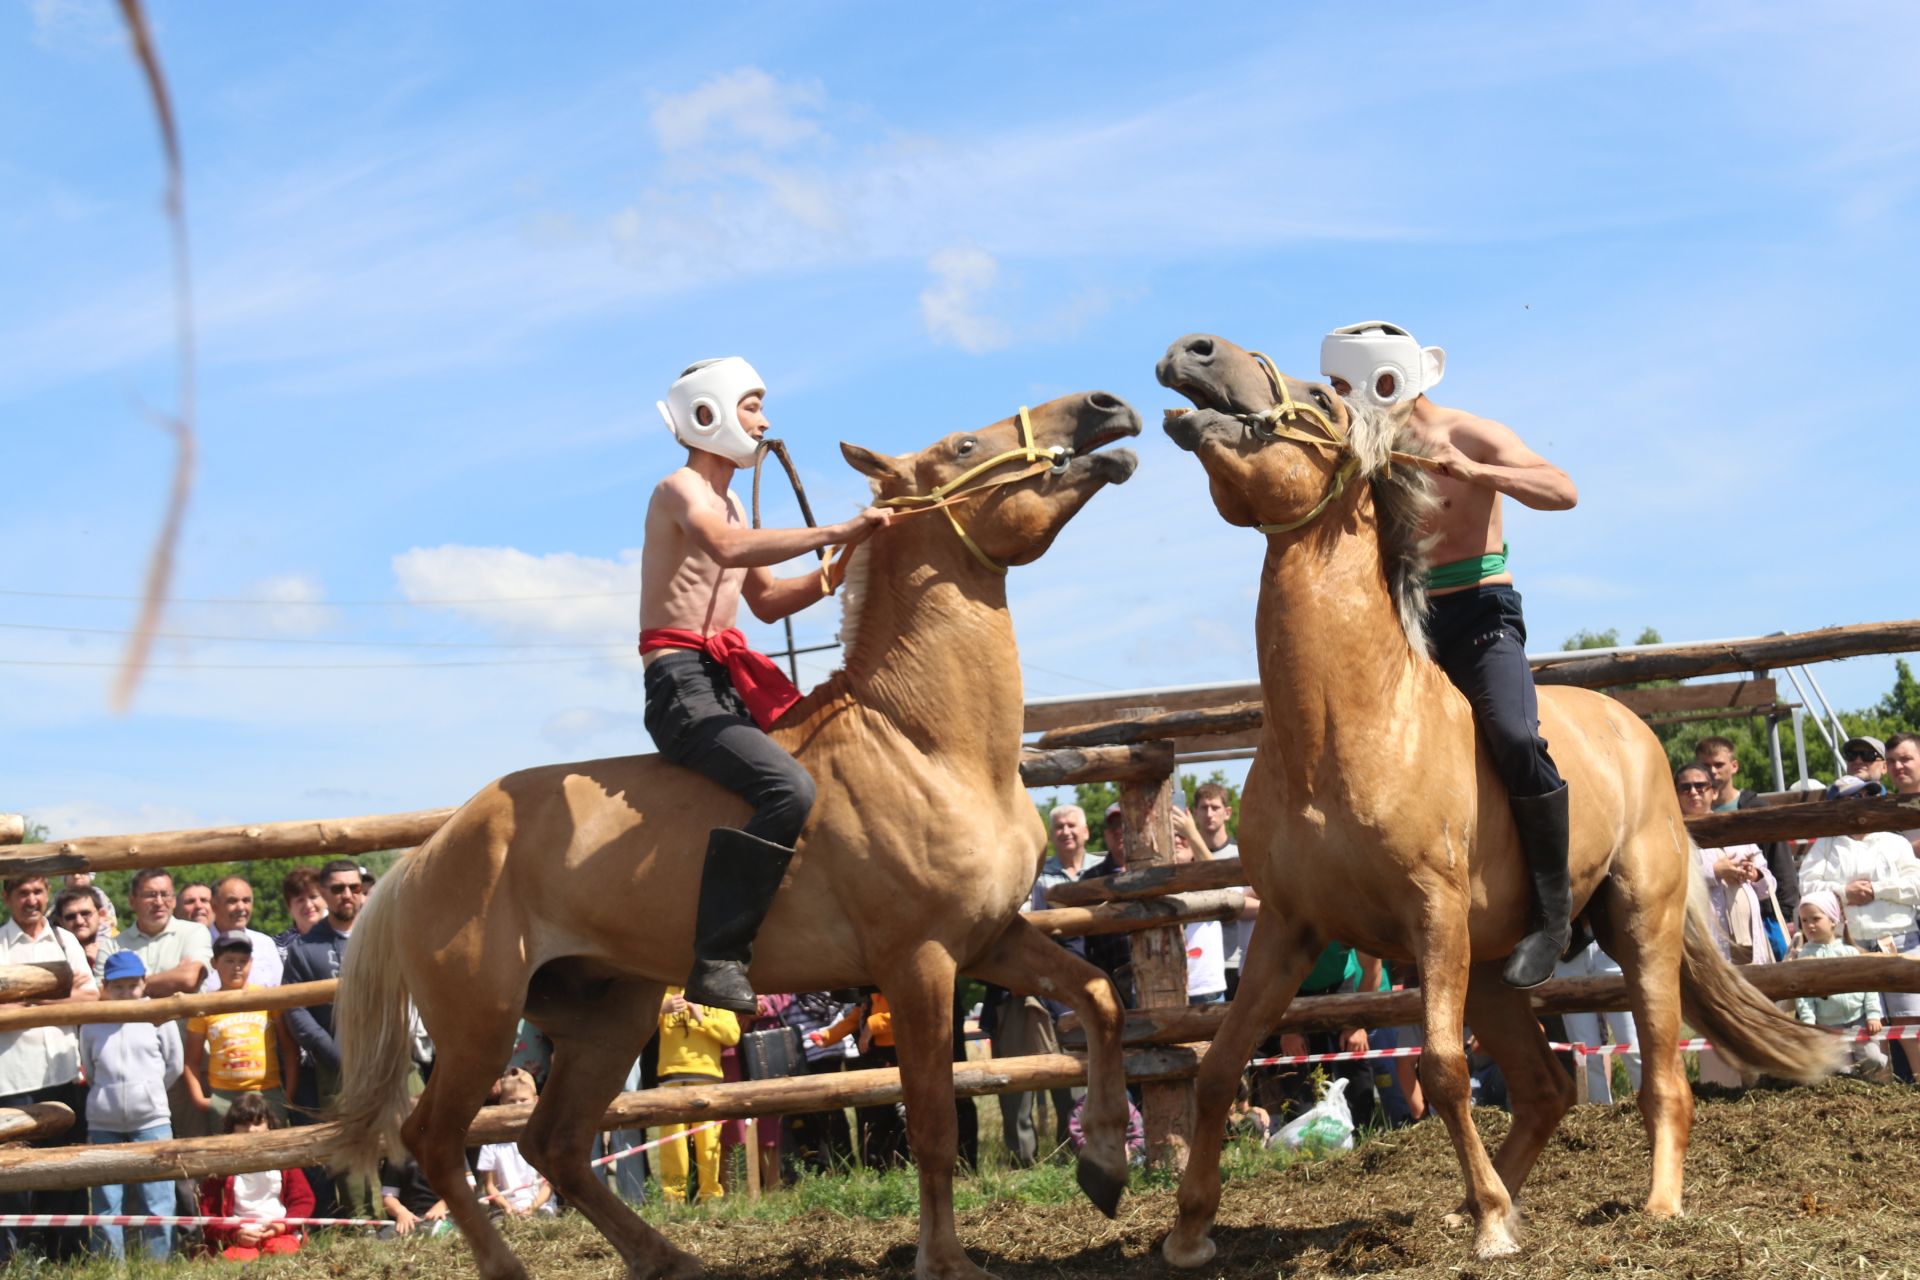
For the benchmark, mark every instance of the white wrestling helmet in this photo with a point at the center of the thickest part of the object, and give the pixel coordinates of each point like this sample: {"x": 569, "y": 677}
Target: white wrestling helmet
{"x": 719, "y": 386}
{"x": 1361, "y": 354}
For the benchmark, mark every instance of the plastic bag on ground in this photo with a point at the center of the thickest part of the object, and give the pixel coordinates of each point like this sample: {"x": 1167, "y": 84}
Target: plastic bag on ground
{"x": 1325, "y": 1126}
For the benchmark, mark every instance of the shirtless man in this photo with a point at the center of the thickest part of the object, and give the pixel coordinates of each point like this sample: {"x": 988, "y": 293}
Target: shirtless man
{"x": 710, "y": 699}
{"x": 1473, "y": 616}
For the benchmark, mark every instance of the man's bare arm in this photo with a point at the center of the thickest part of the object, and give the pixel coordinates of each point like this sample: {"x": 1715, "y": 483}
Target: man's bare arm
{"x": 734, "y": 546}
{"x": 772, "y": 599}
{"x": 1486, "y": 453}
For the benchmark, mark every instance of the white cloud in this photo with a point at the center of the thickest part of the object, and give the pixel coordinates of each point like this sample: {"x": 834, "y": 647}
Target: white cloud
{"x": 509, "y": 591}
{"x": 76, "y": 26}
{"x": 950, "y": 307}
{"x": 747, "y": 105}
{"x": 305, "y": 611}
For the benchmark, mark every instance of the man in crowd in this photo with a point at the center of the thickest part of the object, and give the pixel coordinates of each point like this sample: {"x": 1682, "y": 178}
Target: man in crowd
{"x": 1903, "y": 771}
{"x": 316, "y": 956}
{"x": 306, "y": 905}
{"x": 177, "y": 953}
{"x": 42, "y": 1064}
{"x": 1212, "y": 812}
{"x": 195, "y": 903}
{"x": 1112, "y": 953}
{"x": 76, "y": 911}
{"x": 109, "y": 918}
{"x": 233, "y": 913}
{"x": 1716, "y": 755}
{"x": 1866, "y": 759}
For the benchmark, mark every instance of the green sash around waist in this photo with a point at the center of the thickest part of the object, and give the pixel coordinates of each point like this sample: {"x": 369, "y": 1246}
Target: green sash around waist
{"x": 1464, "y": 573}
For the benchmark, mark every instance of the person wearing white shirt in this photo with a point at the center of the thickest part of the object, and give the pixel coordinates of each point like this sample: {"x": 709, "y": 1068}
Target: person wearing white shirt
{"x": 1206, "y": 940}
{"x": 1212, "y": 812}
{"x": 233, "y": 912}
{"x": 42, "y": 1064}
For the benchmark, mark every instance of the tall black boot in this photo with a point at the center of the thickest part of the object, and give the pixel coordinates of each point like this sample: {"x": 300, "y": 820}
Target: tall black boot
{"x": 1542, "y": 824}
{"x": 737, "y": 884}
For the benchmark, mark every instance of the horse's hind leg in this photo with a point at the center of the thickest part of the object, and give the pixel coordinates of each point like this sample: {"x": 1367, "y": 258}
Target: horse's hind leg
{"x": 1277, "y": 960}
{"x": 469, "y": 1051}
{"x": 1443, "y": 1072}
{"x": 1539, "y": 1089}
{"x": 1641, "y": 926}
{"x": 919, "y": 987}
{"x": 598, "y": 1028}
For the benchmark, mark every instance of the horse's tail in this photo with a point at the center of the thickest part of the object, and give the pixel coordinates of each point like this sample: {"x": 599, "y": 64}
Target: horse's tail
{"x": 1744, "y": 1026}
{"x": 371, "y": 1022}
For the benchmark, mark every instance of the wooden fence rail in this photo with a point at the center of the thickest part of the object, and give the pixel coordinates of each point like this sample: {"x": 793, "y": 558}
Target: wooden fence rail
{"x": 41, "y": 980}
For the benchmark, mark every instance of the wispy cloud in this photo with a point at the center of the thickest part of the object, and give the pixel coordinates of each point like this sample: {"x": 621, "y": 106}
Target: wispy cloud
{"x": 951, "y": 306}
{"x": 742, "y": 106}
{"x": 506, "y": 591}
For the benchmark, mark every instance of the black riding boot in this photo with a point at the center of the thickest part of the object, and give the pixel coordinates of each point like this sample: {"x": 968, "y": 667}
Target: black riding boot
{"x": 1542, "y": 823}
{"x": 737, "y": 884}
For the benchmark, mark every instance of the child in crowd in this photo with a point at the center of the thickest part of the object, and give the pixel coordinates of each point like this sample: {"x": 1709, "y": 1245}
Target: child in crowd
{"x": 1820, "y": 924}
{"x": 409, "y": 1201}
{"x": 1136, "y": 1131}
{"x": 691, "y": 1039}
{"x": 508, "y": 1181}
{"x": 267, "y": 1198}
{"x": 130, "y": 1066}
{"x": 231, "y": 1055}
{"x": 1244, "y": 1119}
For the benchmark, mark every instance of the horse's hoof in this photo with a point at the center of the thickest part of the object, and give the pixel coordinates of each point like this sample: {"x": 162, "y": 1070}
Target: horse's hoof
{"x": 1103, "y": 1186}
{"x": 957, "y": 1268}
{"x": 1497, "y": 1238}
{"x": 1187, "y": 1256}
{"x": 1457, "y": 1219}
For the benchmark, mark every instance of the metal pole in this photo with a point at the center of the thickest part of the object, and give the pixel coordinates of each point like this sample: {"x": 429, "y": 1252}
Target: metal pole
{"x": 1839, "y": 729}
{"x": 1818, "y": 723}
{"x": 1773, "y": 742}
{"x": 1800, "y": 739}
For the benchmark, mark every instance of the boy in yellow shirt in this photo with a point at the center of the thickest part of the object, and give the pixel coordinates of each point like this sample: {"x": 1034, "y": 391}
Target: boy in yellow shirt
{"x": 692, "y": 1037}
{"x": 231, "y": 1054}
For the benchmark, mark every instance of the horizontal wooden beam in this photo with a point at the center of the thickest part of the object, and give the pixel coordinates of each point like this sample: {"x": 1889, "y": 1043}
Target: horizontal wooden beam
{"x": 1062, "y": 767}
{"x": 67, "y": 1168}
{"x": 35, "y": 1120}
{"x": 40, "y": 980}
{"x": 298, "y": 995}
{"x": 1758, "y": 691}
{"x": 1560, "y": 995}
{"x": 1059, "y": 713}
{"x": 320, "y": 838}
{"x": 1145, "y": 913}
{"x": 1149, "y": 882}
{"x": 1849, "y": 817}
{"x": 13, "y": 828}
{"x": 1724, "y": 657}
{"x": 1236, "y": 717}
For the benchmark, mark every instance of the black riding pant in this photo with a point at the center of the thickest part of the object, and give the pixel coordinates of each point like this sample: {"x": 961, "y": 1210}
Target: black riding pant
{"x": 696, "y": 719}
{"x": 1480, "y": 639}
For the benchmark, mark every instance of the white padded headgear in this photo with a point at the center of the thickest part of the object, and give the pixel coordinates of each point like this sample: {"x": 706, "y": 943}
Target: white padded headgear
{"x": 1359, "y": 353}
{"x": 719, "y": 385}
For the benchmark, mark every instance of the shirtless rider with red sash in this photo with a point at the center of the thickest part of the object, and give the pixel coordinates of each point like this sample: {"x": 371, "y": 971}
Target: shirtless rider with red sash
{"x": 709, "y": 698}
{"x": 1473, "y": 612}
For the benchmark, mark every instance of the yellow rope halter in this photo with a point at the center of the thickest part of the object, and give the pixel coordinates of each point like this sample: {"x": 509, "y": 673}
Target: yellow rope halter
{"x": 1277, "y": 424}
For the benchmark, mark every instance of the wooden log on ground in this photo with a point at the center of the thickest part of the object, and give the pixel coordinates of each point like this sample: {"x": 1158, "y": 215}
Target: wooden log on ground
{"x": 318, "y": 838}
{"x": 1138, "y": 882}
{"x": 34, "y": 1121}
{"x": 1129, "y": 917}
{"x": 41, "y": 980}
{"x": 1138, "y": 762}
{"x": 1236, "y": 717}
{"x": 1849, "y": 817}
{"x": 13, "y": 828}
{"x": 66, "y": 1168}
{"x": 1728, "y": 656}
{"x": 297, "y": 995}
{"x": 1560, "y": 995}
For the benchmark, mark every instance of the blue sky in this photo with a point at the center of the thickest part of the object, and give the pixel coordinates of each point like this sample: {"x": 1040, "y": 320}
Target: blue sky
{"x": 449, "y": 255}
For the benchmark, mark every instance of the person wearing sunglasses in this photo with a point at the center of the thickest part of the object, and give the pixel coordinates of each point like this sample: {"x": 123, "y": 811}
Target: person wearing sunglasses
{"x": 313, "y": 957}
{"x": 1866, "y": 759}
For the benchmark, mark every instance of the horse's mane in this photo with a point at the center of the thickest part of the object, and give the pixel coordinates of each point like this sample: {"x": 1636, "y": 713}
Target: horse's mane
{"x": 1402, "y": 498}
{"x": 853, "y": 599}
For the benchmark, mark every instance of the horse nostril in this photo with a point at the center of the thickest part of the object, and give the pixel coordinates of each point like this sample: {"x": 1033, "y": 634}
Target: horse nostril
{"x": 1202, "y": 347}
{"x": 1101, "y": 402}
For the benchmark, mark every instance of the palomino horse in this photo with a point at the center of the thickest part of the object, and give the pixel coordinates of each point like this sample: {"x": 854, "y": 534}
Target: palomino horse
{"x": 567, "y": 892}
{"x": 1373, "y": 814}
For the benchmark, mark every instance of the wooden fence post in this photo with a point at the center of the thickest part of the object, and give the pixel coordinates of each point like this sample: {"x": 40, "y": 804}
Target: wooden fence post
{"x": 1159, "y": 966}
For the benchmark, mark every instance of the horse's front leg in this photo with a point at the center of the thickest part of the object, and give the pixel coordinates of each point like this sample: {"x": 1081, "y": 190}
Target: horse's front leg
{"x": 1026, "y": 960}
{"x": 919, "y": 987}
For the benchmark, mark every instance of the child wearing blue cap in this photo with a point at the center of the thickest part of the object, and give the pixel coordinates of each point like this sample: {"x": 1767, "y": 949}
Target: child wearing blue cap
{"x": 130, "y": 1066}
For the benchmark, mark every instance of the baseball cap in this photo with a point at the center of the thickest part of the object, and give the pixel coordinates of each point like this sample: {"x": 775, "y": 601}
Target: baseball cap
{"x": 232, "y": 940}
{"x": 1852, "y": 786}
{"x": 123, "y": 964}
{"x": 1874, "y": 745}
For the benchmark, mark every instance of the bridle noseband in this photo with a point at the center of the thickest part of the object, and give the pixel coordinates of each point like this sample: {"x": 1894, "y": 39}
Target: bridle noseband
{"x": 1278, "y": 422}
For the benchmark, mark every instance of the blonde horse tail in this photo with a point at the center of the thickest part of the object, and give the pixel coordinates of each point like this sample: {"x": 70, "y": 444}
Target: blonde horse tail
{"x": 1744, "y": 1026}
{"x": 371, "y": 1022}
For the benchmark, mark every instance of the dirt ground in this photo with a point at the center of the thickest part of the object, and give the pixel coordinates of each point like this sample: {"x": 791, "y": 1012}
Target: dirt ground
{"x": 1780, "y": 1182}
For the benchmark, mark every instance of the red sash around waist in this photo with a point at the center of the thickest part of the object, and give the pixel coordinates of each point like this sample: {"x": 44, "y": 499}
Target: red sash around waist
{"x": 756, "y": 678}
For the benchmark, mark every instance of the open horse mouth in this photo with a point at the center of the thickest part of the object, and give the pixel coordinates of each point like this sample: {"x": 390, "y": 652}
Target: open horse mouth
{"x": 1108, "y": 418}
{"x": 1187, "y": 369}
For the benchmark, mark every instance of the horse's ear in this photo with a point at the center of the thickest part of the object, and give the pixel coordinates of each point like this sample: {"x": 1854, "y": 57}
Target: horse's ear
{"x": 878, "y": 466}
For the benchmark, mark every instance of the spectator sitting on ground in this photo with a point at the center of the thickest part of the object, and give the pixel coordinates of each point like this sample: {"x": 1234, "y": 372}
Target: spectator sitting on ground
{"x": 76, "y": 911}
{"x": 410, "y": 1203}
{"x": 233, "y": 913}
{"x": 247, "y": 1052}
{"x": 1136, "y": 1131}
{"x": 1737, "y": 877}
{"x": 691, "y": 1038}
{"x": 1877, "y": 881}
{"x": 129, "y": 1066}
{"x": 1865, "y": 758}
{"x": 195, "y": 903}
{"x": 267, "y": 1197}
{"x": 1717, "y": 754}
{"x": 1820, "y": 922}
{"x": 508, "y": 1181}
{"x": 1244, "y": 1120}
{"x": 1903, "y": 771}
{"x": 1206, "y": 940}
{"x": 306, "y": 904}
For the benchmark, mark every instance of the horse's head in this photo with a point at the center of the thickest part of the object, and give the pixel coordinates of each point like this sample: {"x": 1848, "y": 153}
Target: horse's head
{"x": 1012, "y": 485}
{"x": 1256, "y": 431}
